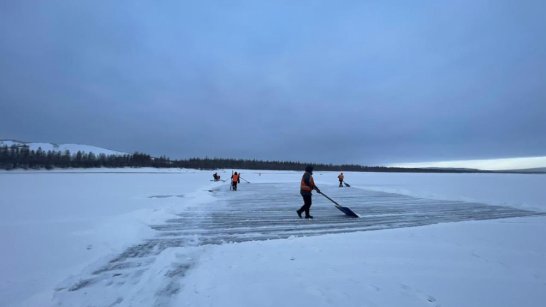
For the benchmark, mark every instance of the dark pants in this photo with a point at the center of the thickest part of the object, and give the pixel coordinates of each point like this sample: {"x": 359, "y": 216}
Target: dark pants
{"x": 306, "y": 203}
{"x": 340, "y": 183}
{"x": 234, "y": 185}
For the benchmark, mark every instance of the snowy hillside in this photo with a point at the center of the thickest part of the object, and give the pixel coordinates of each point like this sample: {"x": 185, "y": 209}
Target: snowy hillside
{"x": 73, "y": 148}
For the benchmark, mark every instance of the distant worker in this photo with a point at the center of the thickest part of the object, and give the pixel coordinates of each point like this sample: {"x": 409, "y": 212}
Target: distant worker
{"x": 235, "y": 179}
{"x": 307, "y": 185}
{"x": 216, "y": 176}
{"x": 340, "y": 177}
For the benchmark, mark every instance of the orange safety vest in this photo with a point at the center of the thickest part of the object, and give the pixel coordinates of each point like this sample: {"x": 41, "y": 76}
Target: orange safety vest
{"x": 340, "y": 177}
{"x": 235, "y": 178}
{"x": 307, "y": 188}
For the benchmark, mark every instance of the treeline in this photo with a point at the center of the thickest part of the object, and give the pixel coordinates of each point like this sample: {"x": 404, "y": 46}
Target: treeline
{"x": 22, "y": 157}
{"x": 216, "y": 163}
{"x": 18, "y": 156}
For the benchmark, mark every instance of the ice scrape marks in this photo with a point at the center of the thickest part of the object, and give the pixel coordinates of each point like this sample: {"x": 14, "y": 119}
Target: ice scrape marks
{"x": 166, "y": 196}
{"x": 267, "y": 211}
{"x": 255, "y": 212}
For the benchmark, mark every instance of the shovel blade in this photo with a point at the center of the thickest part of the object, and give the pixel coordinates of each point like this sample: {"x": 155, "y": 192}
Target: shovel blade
{"x": 347, "y": 211}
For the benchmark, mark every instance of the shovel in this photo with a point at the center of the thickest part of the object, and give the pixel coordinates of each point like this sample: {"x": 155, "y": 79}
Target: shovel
{"x": 345, "y": 210}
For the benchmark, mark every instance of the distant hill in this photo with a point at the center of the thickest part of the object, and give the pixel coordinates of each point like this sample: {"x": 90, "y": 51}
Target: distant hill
{"x": 73, "y": 148}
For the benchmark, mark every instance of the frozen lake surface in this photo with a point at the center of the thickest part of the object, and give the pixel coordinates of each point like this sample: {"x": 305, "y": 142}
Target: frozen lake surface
{"x": 150, "y": 237}
{"x": 261, "y": 211}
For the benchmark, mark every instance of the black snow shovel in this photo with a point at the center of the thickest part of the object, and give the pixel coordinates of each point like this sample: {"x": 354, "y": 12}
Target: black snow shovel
{"x": 345, "y": 210}
{"x": 346, "y": 184}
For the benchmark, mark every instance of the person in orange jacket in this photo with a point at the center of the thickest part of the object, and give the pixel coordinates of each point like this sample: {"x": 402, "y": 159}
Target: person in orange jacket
{"x": 340, "y": 177}
{"x": 307, "y": 185}
{"x": 235, "y": 179}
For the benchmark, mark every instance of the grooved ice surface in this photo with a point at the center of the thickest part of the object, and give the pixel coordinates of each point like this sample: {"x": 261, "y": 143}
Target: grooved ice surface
{"x": 254, "y": 212}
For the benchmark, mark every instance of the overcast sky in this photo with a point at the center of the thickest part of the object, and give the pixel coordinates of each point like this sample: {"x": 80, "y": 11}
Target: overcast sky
{"x": 371, "y": 82}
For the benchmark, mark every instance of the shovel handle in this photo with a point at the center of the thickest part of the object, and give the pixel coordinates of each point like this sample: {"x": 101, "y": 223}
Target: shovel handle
{"x": 329, "y": 198}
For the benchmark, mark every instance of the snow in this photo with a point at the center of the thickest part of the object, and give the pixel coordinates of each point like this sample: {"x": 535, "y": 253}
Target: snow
{"x": 524, "y": 191}
{"x": 73, "y": 148}
{"x": 73, "y": 219}
{"x": 463, "y": 264}
{"x": 178, "y": 244}
{"x": 483, "y": 164}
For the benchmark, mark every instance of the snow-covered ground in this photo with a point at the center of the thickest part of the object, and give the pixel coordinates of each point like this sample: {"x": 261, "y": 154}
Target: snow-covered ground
{"x": 145, "y": 237}
{"x": 520, "y": 163}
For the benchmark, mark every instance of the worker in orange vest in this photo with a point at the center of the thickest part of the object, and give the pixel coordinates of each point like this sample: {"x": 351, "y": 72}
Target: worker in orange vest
{"x": 307, "y": 185}
{"x": 340, "y": 177}
{"x": 235, "y": 179}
